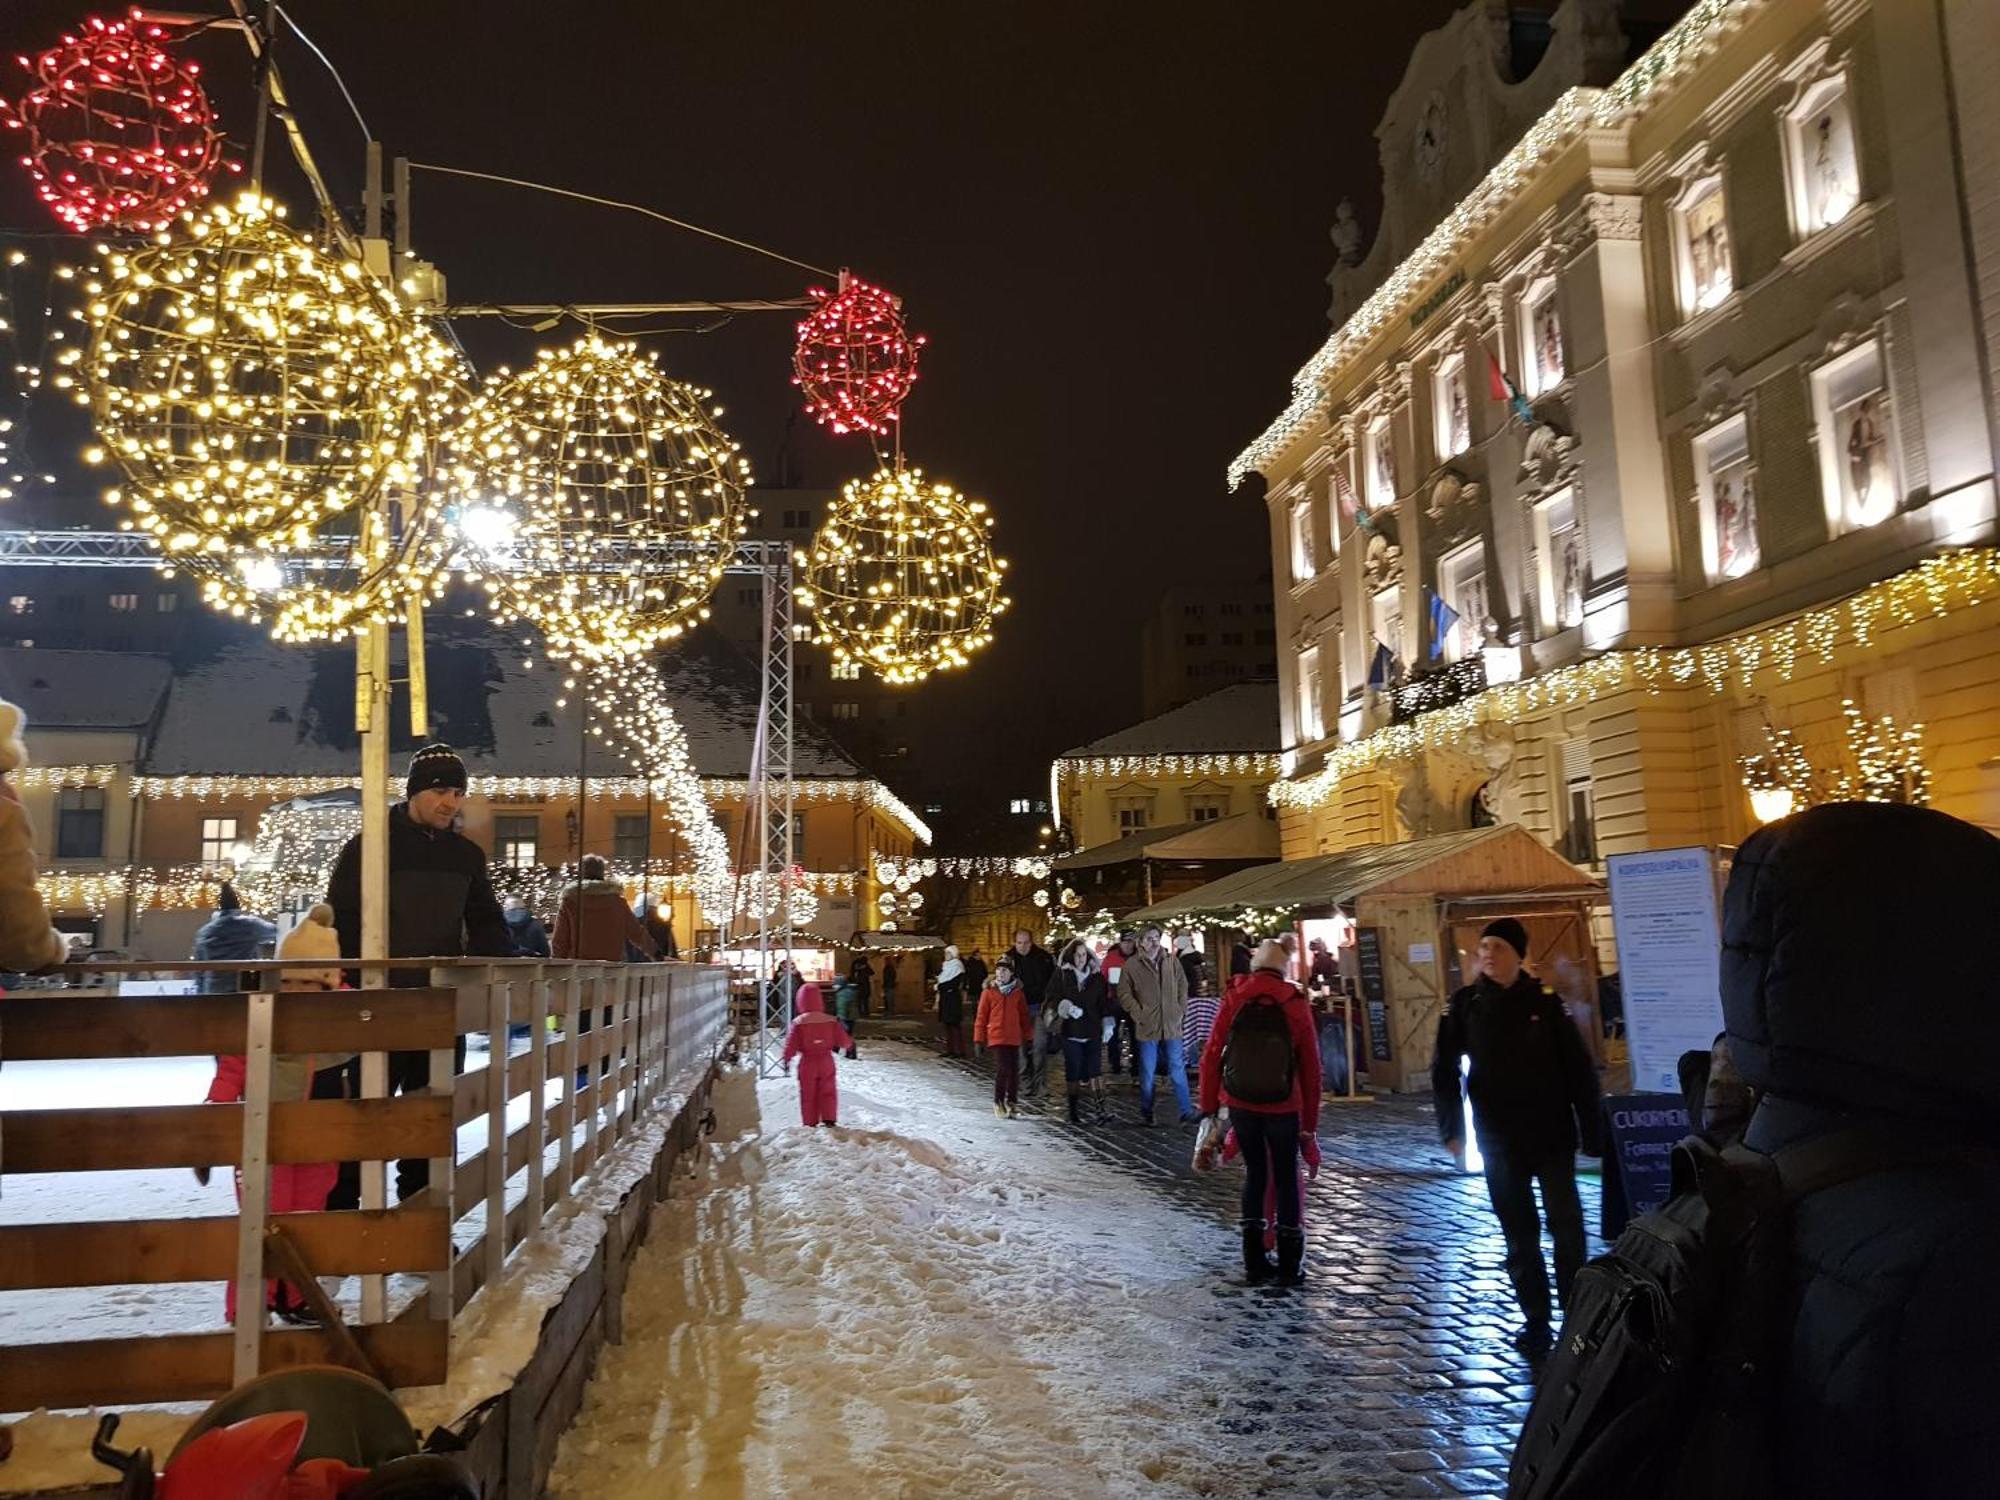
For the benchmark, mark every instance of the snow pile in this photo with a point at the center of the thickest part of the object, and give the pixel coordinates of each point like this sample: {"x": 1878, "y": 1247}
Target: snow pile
{"x": 923, "y": 1300}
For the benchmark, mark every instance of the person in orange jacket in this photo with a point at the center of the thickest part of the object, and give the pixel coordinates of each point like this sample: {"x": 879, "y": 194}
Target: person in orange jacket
{"x": 814, "y": 1038}
{"x": 1003, "y": 1024}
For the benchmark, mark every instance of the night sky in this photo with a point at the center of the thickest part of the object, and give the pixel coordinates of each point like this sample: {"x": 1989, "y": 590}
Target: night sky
{"x": 1111, "y": 226}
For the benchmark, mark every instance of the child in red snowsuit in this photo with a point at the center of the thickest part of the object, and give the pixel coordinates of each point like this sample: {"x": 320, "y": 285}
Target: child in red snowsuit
{"x": 814, "y": 1038}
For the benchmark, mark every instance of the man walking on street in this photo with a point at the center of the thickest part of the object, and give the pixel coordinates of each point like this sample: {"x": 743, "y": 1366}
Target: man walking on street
{"x": 1152, "y": 988}
{"x": 1034, "y": 968}
{"x": 441, "y": 905}
{"x": 1534, "y": 1096}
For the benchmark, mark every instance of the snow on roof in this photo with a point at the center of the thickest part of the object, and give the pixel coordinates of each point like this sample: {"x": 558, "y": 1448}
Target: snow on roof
{"x": 1239, "y": 718}
{"x": 83, "y": 689}
{"x": 255, "y": 708}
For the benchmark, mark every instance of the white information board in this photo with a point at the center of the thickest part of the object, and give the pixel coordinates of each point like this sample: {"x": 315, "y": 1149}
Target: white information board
{"x": 1669, "y": 959}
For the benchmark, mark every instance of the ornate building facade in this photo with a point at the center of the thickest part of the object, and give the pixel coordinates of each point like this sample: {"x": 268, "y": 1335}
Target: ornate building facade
{"x": 1657, "y": 466}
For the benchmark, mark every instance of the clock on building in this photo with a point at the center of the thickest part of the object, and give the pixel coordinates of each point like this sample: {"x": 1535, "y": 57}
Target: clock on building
{"x": 1430, "y": 137}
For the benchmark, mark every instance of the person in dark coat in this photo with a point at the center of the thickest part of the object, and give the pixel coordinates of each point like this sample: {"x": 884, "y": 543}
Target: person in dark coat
{"x": 525, "y": 929}
{"x": 1034, "y": 969}
{"x": 975, "y": 976}
{"x": 1534, "y": 1098}
{"x": 1889, "y": 1379}
{"x": 863, "y": 979}
{"x": 441, "y": 905}
{"x": 231, "y": 935}
{"x": 1078, "y": 993}
{"x": 659, "y": 925}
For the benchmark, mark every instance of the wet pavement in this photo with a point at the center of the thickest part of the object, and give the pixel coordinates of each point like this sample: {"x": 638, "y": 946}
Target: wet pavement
{"x": 1407, "y": 1385}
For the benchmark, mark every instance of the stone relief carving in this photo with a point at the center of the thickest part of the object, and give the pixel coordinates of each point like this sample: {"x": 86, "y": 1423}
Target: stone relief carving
{"x": 1382, "y": 564}
{"x": 1454, "y": 498}
{"x": 1395, "y": 382}
{"x": 1548, "y": 457}
{"x": 1346, "y": 234}
{"x": 1600, "y": 216}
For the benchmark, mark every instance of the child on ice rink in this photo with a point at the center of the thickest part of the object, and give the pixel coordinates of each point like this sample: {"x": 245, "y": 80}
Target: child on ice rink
{"x": 814, "y": 1038}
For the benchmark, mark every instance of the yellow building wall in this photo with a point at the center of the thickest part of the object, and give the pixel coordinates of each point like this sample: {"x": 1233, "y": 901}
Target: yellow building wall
{"x": 1090, "y": 804}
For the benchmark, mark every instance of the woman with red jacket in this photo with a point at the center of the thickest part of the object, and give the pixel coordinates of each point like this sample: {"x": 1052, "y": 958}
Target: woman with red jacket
{"x": 1262, "y": 1060}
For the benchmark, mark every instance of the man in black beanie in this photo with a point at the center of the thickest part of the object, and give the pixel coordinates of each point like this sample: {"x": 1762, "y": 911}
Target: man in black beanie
{"x": 1534, "y": 1097}
{"x": 441, "y": 905}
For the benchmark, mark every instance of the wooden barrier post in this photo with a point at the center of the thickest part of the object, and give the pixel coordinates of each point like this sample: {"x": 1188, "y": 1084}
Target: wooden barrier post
{"x": 253, "y": 1211}
{"x": 495, "y": 1240}
{"x": 538, "y": 1077}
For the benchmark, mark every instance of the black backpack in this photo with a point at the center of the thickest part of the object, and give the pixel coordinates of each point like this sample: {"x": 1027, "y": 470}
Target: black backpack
{"x": 1662, "y": 1383}
{"x": 1258, "y": 1062}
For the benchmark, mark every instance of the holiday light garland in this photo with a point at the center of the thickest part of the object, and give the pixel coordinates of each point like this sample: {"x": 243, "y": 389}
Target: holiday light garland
{"x": 1576, "y": 112}
{"x": 610, "y": 502}
{"x": 119, "y": 134}
{"x": 61, "y": 778}
{"x": 1101, "y": 767}
{"x": 1931, "y": 590}
{"x": 905, "y": 870}
{"x": 854, "y": 360}
{"x": 902, "y": 577}
{"x": 259, "y": 392}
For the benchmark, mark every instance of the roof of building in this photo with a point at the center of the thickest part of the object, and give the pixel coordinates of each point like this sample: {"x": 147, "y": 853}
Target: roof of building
{"x": 83, "y": 689}
{"x": 255, "y": 708}
{"x": 1247, "y": 835}
{"x": 1242, "y": 718}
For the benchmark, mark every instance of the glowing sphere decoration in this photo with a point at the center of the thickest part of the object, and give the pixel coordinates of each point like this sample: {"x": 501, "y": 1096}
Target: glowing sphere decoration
{"x": 119, "y": 133}
{"x": 854, "y": 360}
{"x": 902, "y": 576}
{"x": 623, "y": 498}
{"x": 259, "y": 393}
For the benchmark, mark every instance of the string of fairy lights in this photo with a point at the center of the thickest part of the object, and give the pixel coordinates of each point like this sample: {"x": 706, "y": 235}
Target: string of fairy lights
{"x": 1933, "y": 589}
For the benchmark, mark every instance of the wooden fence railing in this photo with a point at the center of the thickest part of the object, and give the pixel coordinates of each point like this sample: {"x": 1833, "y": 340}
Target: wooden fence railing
{"x": 666, "y": 1023}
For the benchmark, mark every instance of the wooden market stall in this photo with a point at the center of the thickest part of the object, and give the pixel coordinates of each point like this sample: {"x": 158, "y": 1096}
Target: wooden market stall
{"x": 1418, "y": 908}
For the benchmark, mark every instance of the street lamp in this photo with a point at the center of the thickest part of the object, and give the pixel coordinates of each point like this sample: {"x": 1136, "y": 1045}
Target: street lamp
{"x": 1770, "y": 803}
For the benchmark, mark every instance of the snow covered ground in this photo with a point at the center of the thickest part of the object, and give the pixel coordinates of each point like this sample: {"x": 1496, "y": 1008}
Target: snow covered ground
{"x": 925, "y": 1300}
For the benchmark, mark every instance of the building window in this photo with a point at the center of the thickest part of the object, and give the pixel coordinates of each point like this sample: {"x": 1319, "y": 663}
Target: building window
{"x": 802, "y": 633}
{"x": 628, "y": 836}
{"x": 1131, "y": 820}
{"x": 21, "y": 604}
{"x": 1232, "y": 609}
{"x": 1232, "y": 637}
{"x": 1819, "y": 150}
{"x": 746, "y": 595}
{"x": 1385, "y": 627}
{"x": 1195, "y": 638}
{"x": 1462, "y": 586}
{"x": 1451, "y": 414}
{"x": 846, "y": 710}
{"x": 1857, "y": 468}
{"x": 1021, "y": 806}
{"x": 798, "y": 520}
{"x": 515, "y": 839}
{"x": 1381, "y": 462}
{"x": 218, "y": 840}
{"x": 1312, "y": 700}
{"x": 1559, "y": 548}
{"x": 1701, "y": 245}
{"x": 1303, "y": 566}
{"x": 1726, "y": 486}
{"x": 124, "y": 604}
{"x": 166, "y": 604}
{"x": 1207, "y": 807}
{"x": 80, "y": 823}
{"x": 1541, "y": 337}
{"x": 1579, "y": 840}
{"x": 845, "y": 671}
{"x": 1194, "y": 611}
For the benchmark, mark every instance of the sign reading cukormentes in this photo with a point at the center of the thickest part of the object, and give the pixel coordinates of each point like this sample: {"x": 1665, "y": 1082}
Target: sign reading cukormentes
{"x": 1663, "y": 909}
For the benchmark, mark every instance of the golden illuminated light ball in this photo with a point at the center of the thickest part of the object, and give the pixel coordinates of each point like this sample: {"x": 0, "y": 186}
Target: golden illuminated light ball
{"x": 902, "y": 576}
{"x": 610, "y": 500}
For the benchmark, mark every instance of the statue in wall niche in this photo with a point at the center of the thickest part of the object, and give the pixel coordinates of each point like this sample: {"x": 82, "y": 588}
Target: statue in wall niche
{"x": 1497, "y": 799}
{"x": 1346, "y": 234}
{"x": 1454, "y": 498}
{"x": 1547, "y": 457}
{"x": 1383, "y": 562}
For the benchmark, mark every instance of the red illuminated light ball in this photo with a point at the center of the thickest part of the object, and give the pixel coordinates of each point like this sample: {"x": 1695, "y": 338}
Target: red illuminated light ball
{"x": 855, "y": 360}
{"x": 120, "y": 134}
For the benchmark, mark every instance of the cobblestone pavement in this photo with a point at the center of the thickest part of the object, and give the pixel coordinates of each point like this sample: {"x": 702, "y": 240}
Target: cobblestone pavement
{"x": 1408, "y": 1386}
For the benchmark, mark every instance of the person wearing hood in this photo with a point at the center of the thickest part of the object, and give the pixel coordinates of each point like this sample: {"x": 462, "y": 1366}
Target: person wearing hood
{"x": 1887, "y": 1381}
{"x": 231, "y": 935}
{"x": 296, "y": 1187}
{"x": 1534, "y": 1095}
{"x": 594, "y": 920}
{"x": 1004, "y": 1022}
{"x": 29, "y": 941}
{"x": 1262, "y": 1061}
{"x": 1078, "y": 992}
{"x": 524, "y": 929}
{"x": 814, "y": 1038}
{"x": 951, "y": 1002}
{"x": 441, "y": 905}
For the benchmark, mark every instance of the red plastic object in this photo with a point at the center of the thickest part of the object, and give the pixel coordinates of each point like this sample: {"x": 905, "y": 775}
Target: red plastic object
{"x": 250, "y": 1460}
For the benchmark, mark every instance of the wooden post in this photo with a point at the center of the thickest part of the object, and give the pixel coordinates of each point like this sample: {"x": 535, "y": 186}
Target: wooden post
{"x": 496, "y": 1125}
{"x": 566, "y": 1106}
{"x": 538, "y": 1050}
{"x": 254, "y": 1211}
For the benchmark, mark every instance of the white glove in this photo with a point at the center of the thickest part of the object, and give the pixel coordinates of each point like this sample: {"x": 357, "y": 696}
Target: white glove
{"x": 1110, "y": 1025}
{"x": 1069, "y": 1010}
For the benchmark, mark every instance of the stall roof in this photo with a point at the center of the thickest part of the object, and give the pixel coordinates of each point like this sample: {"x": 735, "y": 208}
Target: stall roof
{"x": 1248, "y": 835}
{"x": 1477, "y": 861}
{"x": 892, "y": 942}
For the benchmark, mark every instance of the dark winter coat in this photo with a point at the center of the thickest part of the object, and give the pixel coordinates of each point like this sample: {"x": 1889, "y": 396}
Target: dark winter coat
{"x": 862, "y": 978}
{"x": 1532, "y": 1084}
{"x": 441, "y": 901}
{"x": 1032, "y": 971}
{"x": 530, "y": 937}
{"x": 1262, "y": 987}
{"x": 1890, "y": 1380}
{"x": 975, "y": 977}
{"x": 226, "y": 937}
{"x": 1087, "y": 996}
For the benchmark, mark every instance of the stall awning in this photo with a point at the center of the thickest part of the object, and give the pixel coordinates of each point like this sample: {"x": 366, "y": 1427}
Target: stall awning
{"x": 1248, "y": 835}
{"x": 891, "y": 942}
{"x": 1477, "y": 861}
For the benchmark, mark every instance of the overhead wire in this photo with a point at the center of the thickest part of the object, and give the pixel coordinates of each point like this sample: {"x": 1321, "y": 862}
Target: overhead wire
{"x": 327, "y": 62}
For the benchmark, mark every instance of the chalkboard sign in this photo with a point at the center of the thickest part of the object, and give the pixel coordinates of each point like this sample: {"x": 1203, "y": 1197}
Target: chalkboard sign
{"x": 1374, "y": 990}
{"x": 1640, "y": 1133}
